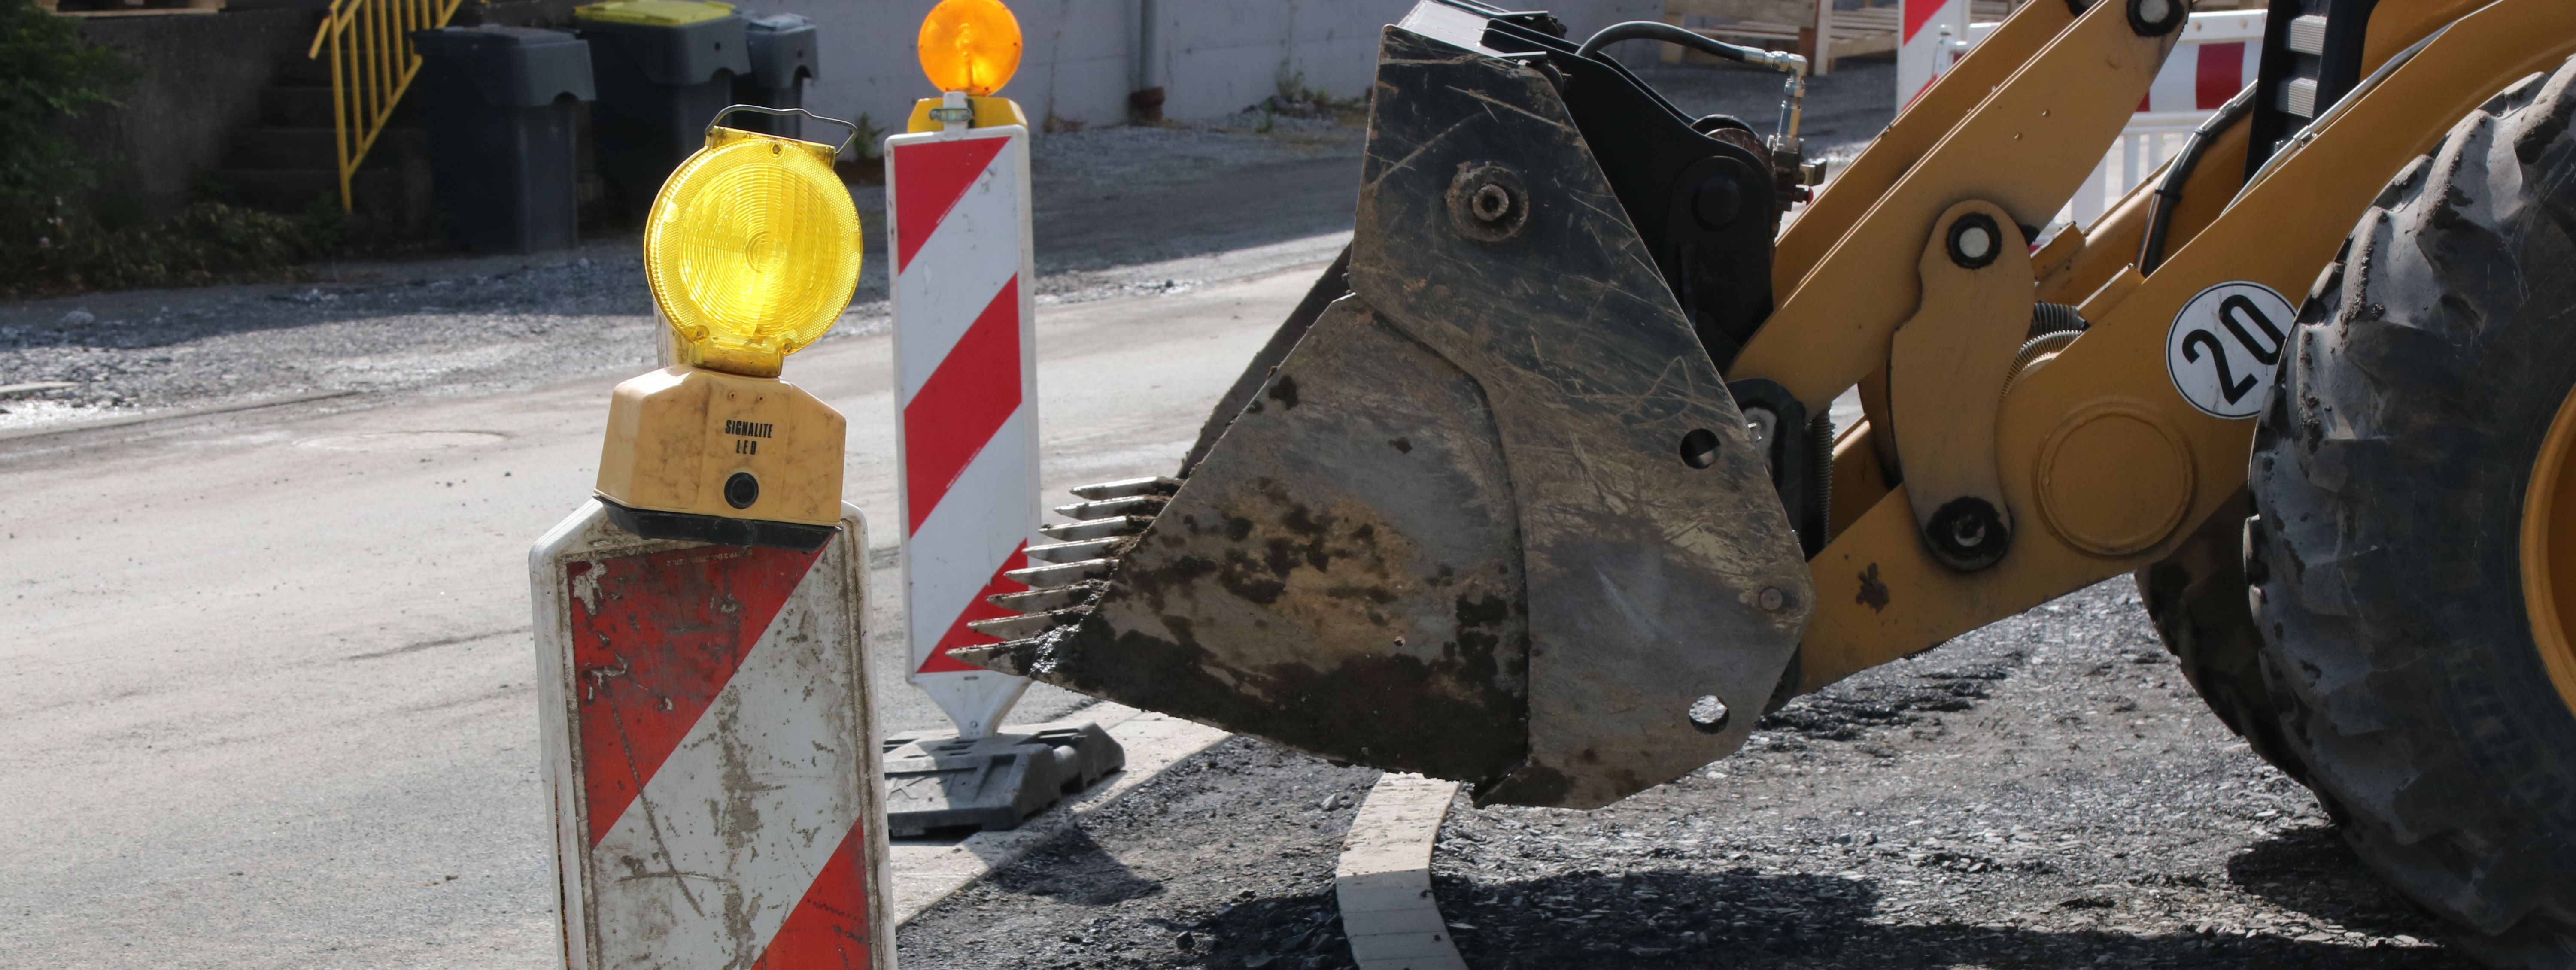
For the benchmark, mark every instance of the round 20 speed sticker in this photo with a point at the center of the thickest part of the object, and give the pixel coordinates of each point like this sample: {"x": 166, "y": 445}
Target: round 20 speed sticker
{"x": 2225, "y": 345}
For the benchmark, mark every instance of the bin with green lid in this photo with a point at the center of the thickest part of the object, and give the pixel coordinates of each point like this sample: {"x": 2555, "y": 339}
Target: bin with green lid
{"x": 501, "y": 105}
{"x": 664, "y": 68}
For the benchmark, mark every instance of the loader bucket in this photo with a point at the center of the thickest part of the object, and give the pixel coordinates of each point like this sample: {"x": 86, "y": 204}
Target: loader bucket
{"x": 1492, "y": 517}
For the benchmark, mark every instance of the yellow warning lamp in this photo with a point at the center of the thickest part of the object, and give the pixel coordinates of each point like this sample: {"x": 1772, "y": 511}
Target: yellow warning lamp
{"x": 751, "y": 252}
{"x": 969, "y": 48}
{"x": 970, "y": 45}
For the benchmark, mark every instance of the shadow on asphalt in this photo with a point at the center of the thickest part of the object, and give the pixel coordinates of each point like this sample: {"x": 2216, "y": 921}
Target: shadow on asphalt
{"x": 544, "y": 297}
{"x": 1074, "y": 869}
{"x": 2312, "y": 871}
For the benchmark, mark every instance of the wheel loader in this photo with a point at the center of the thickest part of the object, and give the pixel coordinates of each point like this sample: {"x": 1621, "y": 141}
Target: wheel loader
{"x": 1540, "y": 489}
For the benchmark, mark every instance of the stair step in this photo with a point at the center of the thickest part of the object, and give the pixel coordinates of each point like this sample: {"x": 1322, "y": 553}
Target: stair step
{"x": 300, "y": 70}
{"x": 302, "y": 106}
{"x": 268, "y": 148}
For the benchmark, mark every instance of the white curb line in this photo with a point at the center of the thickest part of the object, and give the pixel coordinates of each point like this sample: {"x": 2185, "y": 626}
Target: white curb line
{"x": 1383, "y": 881}
{"x": 924, "y": 874}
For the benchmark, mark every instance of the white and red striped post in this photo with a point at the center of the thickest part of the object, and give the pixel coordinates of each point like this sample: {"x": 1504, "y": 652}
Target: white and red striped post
{"x": 711, "y": 751}
{"x": 965, "y": 349}
{"x": 1931, "y": 36}
{"x": 2217, "y": 56}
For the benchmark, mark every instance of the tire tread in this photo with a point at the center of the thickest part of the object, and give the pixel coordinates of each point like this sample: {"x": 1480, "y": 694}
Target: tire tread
{"x": 2386, "y": 478}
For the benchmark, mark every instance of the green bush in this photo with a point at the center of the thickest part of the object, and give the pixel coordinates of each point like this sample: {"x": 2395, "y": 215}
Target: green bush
{"x": 207, "y": 242}
{"x": 50, "y": 241}
{"x": 47, "y": 77}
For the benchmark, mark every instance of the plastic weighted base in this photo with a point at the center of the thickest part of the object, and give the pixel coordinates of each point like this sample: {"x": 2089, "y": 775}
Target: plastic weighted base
{"x": 935, "y": 781}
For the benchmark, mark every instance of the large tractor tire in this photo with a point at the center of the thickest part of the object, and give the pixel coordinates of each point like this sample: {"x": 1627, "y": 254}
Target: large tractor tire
{"x": 2402, "y": 560}
{"x": 2197, "y": 599}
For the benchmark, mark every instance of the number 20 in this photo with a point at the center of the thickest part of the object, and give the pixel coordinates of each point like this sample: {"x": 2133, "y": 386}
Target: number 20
{"x": 2233, "y": 312}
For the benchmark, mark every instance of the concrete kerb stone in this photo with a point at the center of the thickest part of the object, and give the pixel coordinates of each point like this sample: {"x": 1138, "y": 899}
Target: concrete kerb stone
{"x": 1383, "y": 881}
{"x": 926, "y": 872}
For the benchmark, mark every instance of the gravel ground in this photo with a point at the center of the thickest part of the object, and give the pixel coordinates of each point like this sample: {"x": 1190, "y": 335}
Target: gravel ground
{"x": 1224, "y": 860}
{"x": 464, "y": 324}
{"x": 1121, "y": 210}
{"x": 2046, "y": 792}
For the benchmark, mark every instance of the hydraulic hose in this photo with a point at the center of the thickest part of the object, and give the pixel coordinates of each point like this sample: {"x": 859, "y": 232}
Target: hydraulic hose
{"x": 1658, "y": 30}
{"x": 1792, "y": 99}
{"x": 2168, "y": 195}
{"x": 2349, "y": 99}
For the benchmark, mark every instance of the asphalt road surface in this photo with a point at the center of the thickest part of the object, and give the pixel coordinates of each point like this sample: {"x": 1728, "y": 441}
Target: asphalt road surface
{"x": 265, "y": 689}
{"x": 267, "y": 685}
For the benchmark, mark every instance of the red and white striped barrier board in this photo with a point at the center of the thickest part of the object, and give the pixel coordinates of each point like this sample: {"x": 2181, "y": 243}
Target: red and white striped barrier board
{"x": 966, "y": 391}
{"x": 711, "y": 751}
{"x": 2216, "y": 58}
{"x": 1924, "y": 51}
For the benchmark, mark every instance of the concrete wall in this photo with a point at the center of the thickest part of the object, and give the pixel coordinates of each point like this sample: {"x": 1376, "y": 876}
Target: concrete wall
{"x": 1079, "y": 63}
{"x": 1215, "y": 63}
{"x": 201, "y": 77}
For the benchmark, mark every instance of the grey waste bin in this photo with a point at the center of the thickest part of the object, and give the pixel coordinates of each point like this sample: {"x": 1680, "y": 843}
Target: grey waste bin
{"x": 782, "y": 60}
{"x": 501, "y": 106}
{"x": 664, "y": 69}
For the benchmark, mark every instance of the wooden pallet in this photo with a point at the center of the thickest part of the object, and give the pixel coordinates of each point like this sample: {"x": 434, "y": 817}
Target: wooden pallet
{"x": 129, "y": 8}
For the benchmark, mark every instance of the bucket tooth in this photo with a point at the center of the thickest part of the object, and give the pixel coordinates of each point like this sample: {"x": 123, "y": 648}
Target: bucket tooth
{"x": 1042, "y": 600}
{"x": 1063, "y": 574}
{"x": 1123, "y": 525}
{"x": 1012, "y": 657}
{"x": 1080, "y": 550}
{"x": 1129, "y": 487}
{"x": 1023, "y": 627}
{"x": 1106, "y": 508}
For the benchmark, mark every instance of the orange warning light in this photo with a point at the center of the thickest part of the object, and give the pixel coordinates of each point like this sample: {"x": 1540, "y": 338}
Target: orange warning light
{"x": 970, "y": 46}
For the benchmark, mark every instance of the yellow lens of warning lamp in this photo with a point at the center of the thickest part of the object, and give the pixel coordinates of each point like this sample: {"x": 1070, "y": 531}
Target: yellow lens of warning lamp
{"x": 752, "y": 250}
{"x": 970, "y": 45}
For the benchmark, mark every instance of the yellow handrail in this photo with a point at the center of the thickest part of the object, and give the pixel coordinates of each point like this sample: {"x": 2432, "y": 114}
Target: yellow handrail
{"x": 372, "y": 63}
